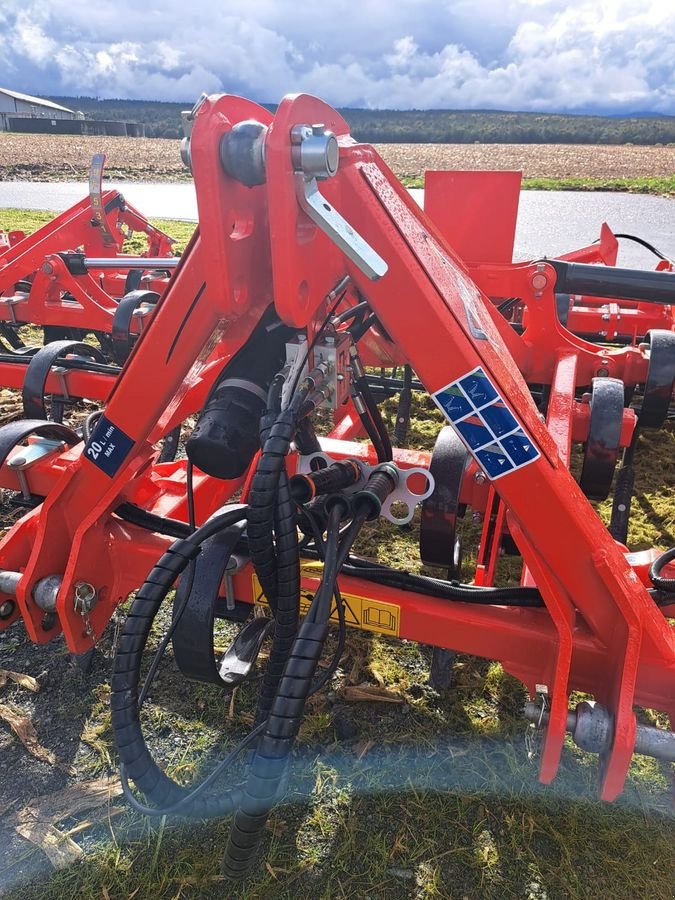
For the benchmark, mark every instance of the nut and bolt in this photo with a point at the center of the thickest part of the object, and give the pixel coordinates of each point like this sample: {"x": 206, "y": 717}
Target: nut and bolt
{"x": 480, "y": 478}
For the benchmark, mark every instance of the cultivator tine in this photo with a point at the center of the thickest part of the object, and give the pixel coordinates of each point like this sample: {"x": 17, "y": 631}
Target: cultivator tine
{"x": 96, "y": 198}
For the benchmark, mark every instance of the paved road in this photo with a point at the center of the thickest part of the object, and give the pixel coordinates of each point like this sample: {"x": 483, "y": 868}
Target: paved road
{"x": 549, "y": 222}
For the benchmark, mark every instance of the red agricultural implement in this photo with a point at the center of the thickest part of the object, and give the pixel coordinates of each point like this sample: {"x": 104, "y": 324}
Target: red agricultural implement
{"x": 72, "y": 278}
{"x": 311, "y": 265}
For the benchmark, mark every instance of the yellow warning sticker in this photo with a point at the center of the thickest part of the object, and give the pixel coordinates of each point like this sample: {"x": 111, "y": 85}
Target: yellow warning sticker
{"x": 360, "y": 612}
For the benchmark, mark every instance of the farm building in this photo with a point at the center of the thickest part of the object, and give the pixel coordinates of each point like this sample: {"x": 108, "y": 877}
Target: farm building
{"x": 21, "y": 112}
{"x": 16, "y": 105}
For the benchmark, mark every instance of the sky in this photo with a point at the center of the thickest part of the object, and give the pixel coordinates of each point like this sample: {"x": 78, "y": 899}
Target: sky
{"x": 610, "y": 56}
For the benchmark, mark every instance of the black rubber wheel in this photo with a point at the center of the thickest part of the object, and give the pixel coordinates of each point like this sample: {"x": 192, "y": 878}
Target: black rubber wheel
{"x": 658, "y": 393}
{"x": 601, "y": 450}
{"x": 438, "y": 538}
{"x": 35, "y": 379}
{"x": 122, "y": 339}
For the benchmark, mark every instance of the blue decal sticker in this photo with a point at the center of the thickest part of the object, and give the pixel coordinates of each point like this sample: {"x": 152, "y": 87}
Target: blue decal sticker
{"x": 108, "y": 446}
{"x": 494, "y": 460}
{"x": 499, "y": 418}
{"x": 478, "y": 389}
{"x": 474, "y": 432}
{"x": 453, "y": 403}
{"x": 486, "y": 424}
{"x": 520, "y": 448}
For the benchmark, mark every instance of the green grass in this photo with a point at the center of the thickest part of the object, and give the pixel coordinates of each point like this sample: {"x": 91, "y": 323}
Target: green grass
{"x": 30, "y": 220}
{"x": 659, "y": 185}
{"x": 434, "y": 798}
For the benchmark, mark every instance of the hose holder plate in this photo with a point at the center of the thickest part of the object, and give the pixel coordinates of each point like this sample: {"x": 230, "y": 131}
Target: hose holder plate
{"x": 403, "y": 493}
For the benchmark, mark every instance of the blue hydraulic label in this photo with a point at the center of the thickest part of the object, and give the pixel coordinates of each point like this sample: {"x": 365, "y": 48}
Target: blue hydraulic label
{"x": 486, "y": 424}
{"x": 108, "y": 446}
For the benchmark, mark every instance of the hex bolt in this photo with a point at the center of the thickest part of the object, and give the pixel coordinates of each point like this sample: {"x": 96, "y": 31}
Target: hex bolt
{"x": 480, "y": 478}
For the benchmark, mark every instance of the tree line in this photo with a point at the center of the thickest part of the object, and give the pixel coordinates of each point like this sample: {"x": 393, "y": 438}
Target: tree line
{"x": 433, "y": 126}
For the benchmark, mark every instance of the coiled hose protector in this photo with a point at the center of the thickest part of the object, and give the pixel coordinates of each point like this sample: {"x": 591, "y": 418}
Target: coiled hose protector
{"x": 273, "y": 752}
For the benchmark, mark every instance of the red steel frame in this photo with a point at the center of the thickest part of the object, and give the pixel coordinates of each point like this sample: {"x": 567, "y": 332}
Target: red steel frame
{"x": 599, "y": 632}
{"x": 92, "y": 302}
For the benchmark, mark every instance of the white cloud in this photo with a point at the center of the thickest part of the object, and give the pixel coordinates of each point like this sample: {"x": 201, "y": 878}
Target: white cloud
{"x": 517, "y": 54}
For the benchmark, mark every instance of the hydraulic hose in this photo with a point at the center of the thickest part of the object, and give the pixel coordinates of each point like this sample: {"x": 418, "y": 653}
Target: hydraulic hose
{"x": 662, "y": 584}
{"x": 136, "y": 760}
{"x": 403, "y": 412}
{"x": 367, "y": 408}
{"x": 274, "y": 747}
{"x": 271, "y": 758}
{"x": 272, "y": 533}
{"x": 363, "y": 388}
{"x": 287, "y": 612}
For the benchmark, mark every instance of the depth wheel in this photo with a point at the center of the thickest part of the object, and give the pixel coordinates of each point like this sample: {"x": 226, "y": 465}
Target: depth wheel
{"x": 601, "y": 450}
{"x": 439, "y": 545}
{"x": 660, "y": 379}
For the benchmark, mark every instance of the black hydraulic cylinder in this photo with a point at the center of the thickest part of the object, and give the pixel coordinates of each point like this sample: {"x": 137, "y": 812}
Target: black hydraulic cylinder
{"x": 226, "y": 437}
{"x": 608, "y": 281}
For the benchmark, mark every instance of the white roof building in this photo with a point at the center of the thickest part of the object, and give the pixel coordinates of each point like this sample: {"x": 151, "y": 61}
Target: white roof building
{"x": 13, "y": 103}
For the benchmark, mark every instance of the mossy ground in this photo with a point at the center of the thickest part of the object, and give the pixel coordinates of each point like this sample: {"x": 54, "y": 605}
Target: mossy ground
{"x": 435, "y": 796}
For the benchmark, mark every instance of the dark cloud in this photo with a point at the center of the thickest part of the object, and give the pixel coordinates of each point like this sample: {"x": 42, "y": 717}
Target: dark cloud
{"x": 517, "y": 54}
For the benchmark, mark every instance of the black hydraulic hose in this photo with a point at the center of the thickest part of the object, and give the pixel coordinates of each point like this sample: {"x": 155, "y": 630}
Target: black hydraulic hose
{"x": 450, "y": 590}
{"x": 358, "y": 310}
{"x": 306, "y": 440}
{"x": 662, "y": 584}
{"x": 370, "y": 429}
{"x": 643, "y": 243}
{"x": 403, "y": 412}
{"x": 182, "y": 806}
{"x": 360, "y": 328}
{"x": 135, "y": 515}
{"x": 88, "y": 424}
{"x": 367, "y": 409}
{"x": 136, "y": 760}
{"x": 271, "y": 758}
{"x": 363, "y": 388}
{"x": 319, "y": 610}
{"x": 287, "y": 611}
{"x": 276, "y": 440}
{"x": 276, "y": 433}
{"x": 273, "y": 536}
